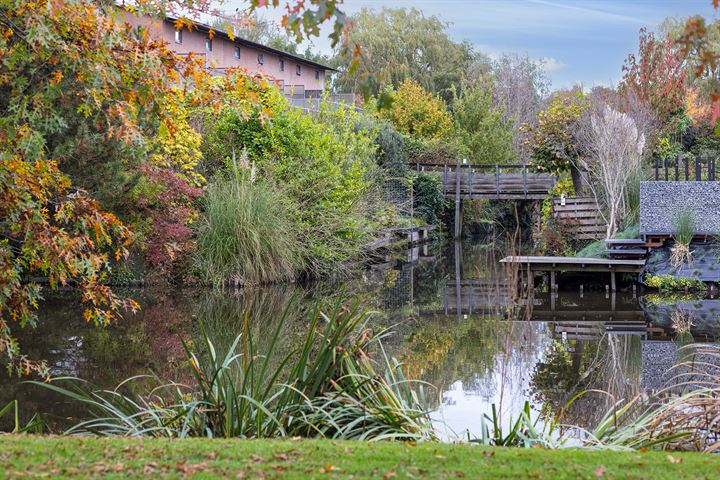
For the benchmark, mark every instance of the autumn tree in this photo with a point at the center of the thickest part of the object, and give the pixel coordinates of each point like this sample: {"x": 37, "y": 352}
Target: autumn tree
{"x": 551, "y": 140}
{"x": 657, "y": 75}
{"x": 88, "y": 107}
{"x": 417, "y": 112}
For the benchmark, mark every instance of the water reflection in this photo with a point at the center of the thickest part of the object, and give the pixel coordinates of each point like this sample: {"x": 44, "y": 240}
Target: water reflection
{"x": 459, "y": 325}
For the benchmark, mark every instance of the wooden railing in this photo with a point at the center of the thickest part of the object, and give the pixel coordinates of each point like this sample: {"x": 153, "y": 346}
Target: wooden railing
{"x": 513, "y": 182}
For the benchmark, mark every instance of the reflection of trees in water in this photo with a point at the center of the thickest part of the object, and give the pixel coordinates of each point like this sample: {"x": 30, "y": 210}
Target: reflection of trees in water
{"x": 484, "y": 352}
{"x": 612, "y": 364}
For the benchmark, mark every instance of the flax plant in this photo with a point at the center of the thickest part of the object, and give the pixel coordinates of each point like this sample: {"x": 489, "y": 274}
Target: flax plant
{"x": 327, "y": 387}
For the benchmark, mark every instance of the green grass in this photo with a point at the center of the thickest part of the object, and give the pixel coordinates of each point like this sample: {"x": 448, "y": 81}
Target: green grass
{"x": 597, "y": 248}
{"x": 67, "y": 457}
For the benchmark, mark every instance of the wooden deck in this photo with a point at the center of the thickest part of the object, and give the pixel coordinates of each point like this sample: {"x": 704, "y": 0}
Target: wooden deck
{"x": 576, "y": 264}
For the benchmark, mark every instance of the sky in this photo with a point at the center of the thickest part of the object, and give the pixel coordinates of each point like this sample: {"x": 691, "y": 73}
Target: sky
{"x": 580, "y": 41}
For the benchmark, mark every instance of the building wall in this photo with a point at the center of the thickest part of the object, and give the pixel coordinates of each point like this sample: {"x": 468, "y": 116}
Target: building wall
{"x": 662, "y": 202}
{"x": 222, "y": 55}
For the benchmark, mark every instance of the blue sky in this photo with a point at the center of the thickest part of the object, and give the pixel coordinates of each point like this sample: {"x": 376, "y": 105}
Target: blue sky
{"x": 581, "y": 40}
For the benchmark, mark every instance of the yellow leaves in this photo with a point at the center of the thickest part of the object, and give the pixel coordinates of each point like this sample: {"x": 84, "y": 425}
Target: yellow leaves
{"x": 417, "y": 112}
{"x": 56, "y": 77}
{"x": 229, "y": 32}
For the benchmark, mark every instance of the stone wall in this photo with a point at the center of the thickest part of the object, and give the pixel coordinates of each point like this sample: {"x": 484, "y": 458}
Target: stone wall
{"x": 662, "y": 202}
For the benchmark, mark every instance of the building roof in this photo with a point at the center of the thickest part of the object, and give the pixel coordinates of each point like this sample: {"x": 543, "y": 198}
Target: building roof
{"x": 242, "y": 41}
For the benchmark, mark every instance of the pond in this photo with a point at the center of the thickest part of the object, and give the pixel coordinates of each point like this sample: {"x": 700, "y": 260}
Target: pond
{"x": 456, "y": 326}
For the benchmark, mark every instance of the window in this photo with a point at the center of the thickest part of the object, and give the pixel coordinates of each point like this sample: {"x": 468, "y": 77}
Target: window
{"x": 282, "y": 65}
{"x": 208, "y": 44}
{"x": 178, "y": 36}
{"x": 237, "y": 52}
{"x": 261, "y": 59}
{"x": 298, "y": 70}
{"x": 317, "y": 74}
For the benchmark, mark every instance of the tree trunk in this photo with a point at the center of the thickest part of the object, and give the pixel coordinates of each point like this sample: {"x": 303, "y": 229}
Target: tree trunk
{"x": 576, "y": 179}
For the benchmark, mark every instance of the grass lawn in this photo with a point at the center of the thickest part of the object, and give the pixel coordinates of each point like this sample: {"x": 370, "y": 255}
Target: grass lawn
{"x": 63, "y": 457}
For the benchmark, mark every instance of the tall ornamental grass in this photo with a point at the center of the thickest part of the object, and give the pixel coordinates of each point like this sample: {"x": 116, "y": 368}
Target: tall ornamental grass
{"x": 327, "y": 387}
{"x": 683, "y": 235}
{"x": 246, "y": 234}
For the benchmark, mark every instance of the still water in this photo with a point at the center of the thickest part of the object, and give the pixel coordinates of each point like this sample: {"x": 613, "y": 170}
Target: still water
{"x": 456, "y": 326}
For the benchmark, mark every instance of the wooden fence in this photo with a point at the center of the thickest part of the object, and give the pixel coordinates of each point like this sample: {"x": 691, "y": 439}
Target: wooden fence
{"x": 682, "y": 169}
{"x": 580, "y": 217}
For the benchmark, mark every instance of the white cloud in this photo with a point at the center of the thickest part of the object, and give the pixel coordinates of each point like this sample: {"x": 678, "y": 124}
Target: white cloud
{"x": 550, "y": 64}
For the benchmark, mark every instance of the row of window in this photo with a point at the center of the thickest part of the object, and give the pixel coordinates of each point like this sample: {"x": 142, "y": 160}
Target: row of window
{"x": 260, "y": 57}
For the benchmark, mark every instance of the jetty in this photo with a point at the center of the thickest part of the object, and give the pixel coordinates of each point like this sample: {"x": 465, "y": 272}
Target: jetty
{"x": 554, "y": 265}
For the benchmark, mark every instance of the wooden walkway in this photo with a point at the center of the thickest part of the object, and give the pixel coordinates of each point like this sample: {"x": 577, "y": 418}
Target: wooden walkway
{"x": 491, "y": 181}
{"x": 576, "y": 264}
{"x": 488, "y": 181}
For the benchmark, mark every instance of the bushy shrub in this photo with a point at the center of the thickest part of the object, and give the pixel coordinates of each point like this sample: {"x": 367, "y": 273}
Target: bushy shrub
{"x": 323, "y": 162}
{"x": 669, "y": 283}
{"x": 246, "y": 233}
{"x": 417, "y": 112}
{"x": 486, "y": 136}
{"x": 428, "y": 197}
{"x": 391, "y": 154}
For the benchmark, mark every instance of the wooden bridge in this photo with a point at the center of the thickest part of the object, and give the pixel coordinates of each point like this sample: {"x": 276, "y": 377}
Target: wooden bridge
{"x": 488, "y": 181}
{"x": 492, "y": 181}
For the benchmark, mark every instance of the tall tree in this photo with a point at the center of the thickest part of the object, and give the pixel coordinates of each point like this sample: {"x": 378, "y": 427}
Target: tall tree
{"x": 483, "y": 131}
{"x": 657, "y": 75}
{"x": 400, "y": 44}
{"x": 520, "y": 88}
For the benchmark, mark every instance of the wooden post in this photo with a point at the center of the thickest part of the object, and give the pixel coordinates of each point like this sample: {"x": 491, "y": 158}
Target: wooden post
{"x": 677, "y": 173}
{"x": 553, "y": 286}
{"x": 665, "y": 165}
{"x": 698, "y": 170}
{"x": 445, "y": 179}
{"x": 458, "y": 210}
{"x": 458, "y": 278}
{"x": 497, "y": 180}
{"x": 612, "y": 280}
{"x": 525, "y": 187}
{"x": 657, "y": 169}
{"x": 687, "y": 169}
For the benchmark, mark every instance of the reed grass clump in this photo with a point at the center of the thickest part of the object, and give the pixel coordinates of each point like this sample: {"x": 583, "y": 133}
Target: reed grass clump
{"x": 246, "y": 233}
{"x": 327, "y": 387}
{"x": 683, "y": 235}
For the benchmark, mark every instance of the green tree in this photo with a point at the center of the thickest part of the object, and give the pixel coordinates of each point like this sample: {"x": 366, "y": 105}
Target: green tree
{"x": 484, "y": 133}
{"x": 400, "y": 44}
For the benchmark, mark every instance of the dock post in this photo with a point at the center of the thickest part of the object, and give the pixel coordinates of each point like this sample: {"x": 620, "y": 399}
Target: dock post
{"x": 612, "y": 281}
{"x": 553, "y": 286}
{"x": 458, "y": 207}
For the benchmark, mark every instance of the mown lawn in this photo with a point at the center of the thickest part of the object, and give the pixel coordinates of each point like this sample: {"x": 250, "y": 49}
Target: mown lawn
{"x": 63, "y": 457}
